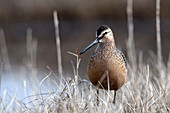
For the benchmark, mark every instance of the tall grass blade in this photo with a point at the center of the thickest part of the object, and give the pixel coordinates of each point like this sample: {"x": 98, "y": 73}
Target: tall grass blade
{"x": 4, "y": 51}
{"x": 158, "y": 37}
{"x": 56, "y": 25}
{"x": 130, "y": 44}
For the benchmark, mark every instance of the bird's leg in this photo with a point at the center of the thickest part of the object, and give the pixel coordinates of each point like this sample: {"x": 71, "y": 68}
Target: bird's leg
{"x": 114, "y": 100}
{"x": 97, "y": 97}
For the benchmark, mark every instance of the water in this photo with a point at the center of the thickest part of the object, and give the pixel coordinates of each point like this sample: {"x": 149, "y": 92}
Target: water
{"x": 23, "y": 86}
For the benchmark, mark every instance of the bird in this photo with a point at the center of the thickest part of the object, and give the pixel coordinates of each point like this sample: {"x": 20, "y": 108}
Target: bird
{"x": 107, "y": 67}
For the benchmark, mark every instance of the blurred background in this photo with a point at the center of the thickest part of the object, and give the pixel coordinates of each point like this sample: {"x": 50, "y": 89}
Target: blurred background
{"x": 78, "y": 22}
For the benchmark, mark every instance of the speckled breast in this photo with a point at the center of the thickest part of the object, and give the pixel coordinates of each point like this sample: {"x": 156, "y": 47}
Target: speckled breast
{"x": 103, "y": 64}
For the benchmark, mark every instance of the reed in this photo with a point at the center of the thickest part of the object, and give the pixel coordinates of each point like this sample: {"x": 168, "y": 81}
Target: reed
{"x": 58, "y": 48}
{"x": 131, "y": 53}
{"x": 4, "y": 51}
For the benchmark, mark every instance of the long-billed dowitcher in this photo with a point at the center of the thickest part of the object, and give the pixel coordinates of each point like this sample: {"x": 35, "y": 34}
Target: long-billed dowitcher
{"x": 107, "y": 63}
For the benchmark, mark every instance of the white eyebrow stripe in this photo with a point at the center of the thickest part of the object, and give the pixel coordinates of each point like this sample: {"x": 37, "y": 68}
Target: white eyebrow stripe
{"x": 108, "y": 30}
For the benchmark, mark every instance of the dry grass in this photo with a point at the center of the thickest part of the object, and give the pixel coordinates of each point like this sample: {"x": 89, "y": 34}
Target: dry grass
{"x": 147, "y": 88}
{"x": 144, "y": 91}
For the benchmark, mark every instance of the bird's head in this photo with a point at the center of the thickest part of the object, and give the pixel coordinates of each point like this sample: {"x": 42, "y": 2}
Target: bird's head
{"x": 103, "y": 35}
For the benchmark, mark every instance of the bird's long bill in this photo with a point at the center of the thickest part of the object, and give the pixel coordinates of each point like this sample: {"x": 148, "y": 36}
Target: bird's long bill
{"x": 89, "y": 46}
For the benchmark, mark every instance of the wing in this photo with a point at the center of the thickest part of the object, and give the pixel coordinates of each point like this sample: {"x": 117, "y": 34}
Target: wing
{"x": 123, "y": 56}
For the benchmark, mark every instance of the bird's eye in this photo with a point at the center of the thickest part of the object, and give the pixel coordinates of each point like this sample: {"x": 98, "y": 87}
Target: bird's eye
{"x": 100, "y": 37}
